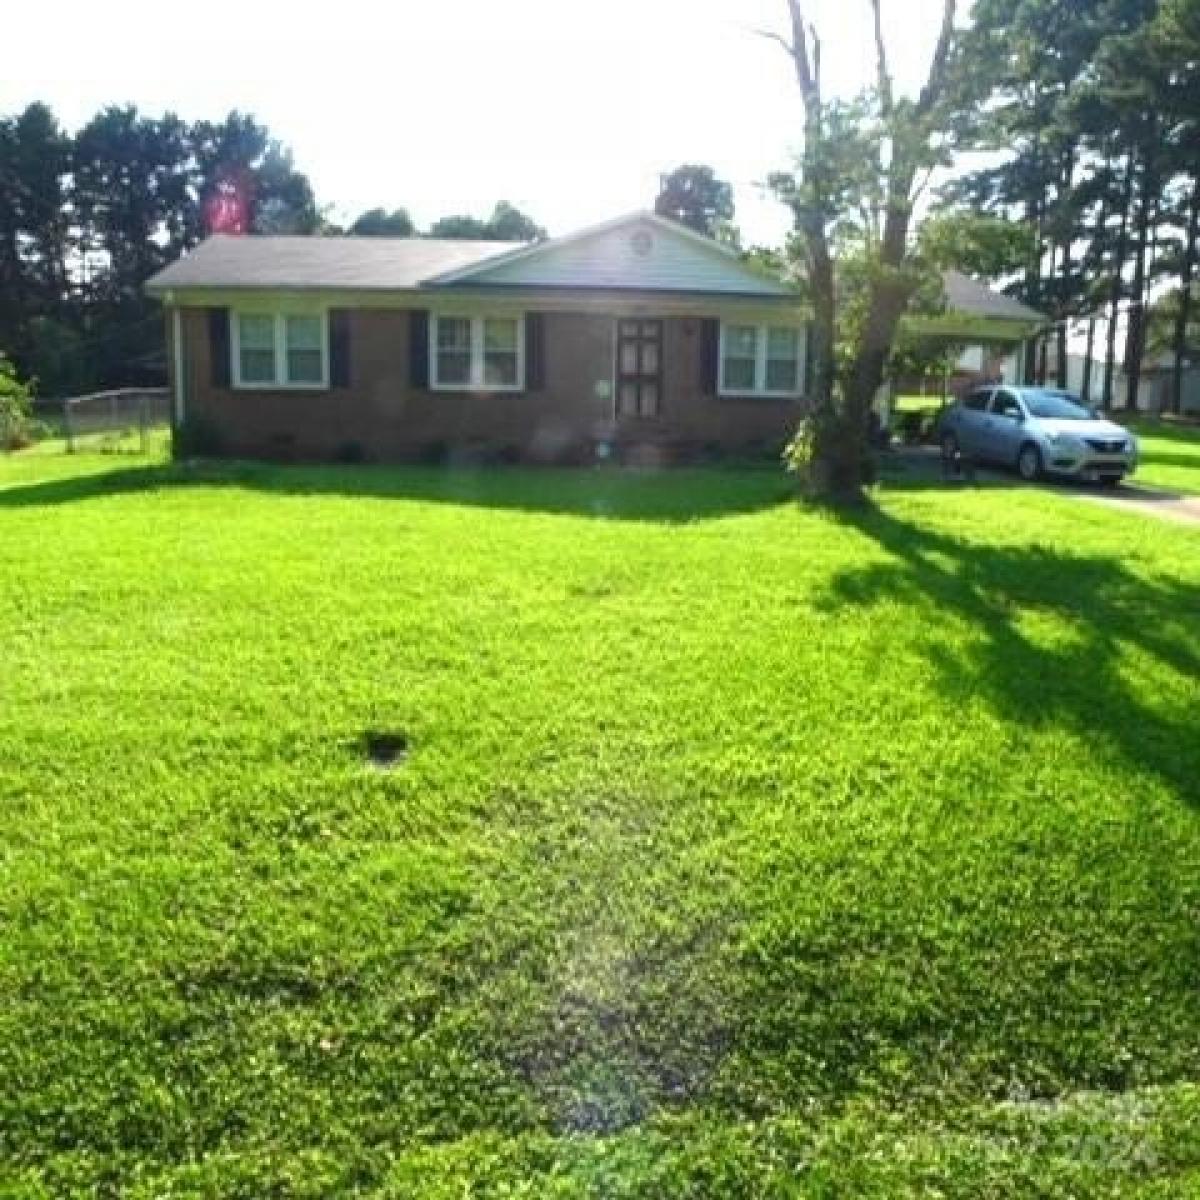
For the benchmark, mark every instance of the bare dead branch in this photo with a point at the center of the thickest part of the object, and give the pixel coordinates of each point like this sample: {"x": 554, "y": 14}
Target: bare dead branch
{"x": 808, "y": 77}
{"x": 919, "y": 187}
{"x": 931, "y": 93}
{"x": 883, "y": 75}
{"x": 772, "y": 36}
{"x": 816, "y": 54}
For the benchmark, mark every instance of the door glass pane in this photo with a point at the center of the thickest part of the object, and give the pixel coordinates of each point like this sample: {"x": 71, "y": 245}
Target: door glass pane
{"x": 650, "y": 329}
{"x": 304, "y": 357}
{"x": 649, "y": 399}
{"x": 629, "y": 358}
{"x": 256, "y": 348}
{"x": 629, "y": 329}
{"x": 627, "y": 404}
{"x": 649, "y": 358}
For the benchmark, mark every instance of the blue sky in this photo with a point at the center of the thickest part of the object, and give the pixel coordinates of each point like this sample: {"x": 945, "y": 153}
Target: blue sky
{"x": 570, "y": 110}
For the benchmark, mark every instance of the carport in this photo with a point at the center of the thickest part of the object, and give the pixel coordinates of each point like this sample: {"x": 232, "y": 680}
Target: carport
{"x": 995, "y": 329}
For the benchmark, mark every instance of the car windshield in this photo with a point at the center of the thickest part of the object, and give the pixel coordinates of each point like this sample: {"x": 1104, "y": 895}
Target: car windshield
{"x": 1056, "y": 406}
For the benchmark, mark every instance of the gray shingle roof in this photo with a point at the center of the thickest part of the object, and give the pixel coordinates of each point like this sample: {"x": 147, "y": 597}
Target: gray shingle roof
{"x": 400, "y": 264}
{"x": 361, "y": 263}
{"x": 966, "y": 295}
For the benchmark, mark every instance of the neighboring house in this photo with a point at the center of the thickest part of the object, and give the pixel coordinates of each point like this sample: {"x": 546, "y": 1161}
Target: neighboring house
{"x": 635, "y": 335}
{"x": 1152, "y": 390}
{"x": 993, "y": 328}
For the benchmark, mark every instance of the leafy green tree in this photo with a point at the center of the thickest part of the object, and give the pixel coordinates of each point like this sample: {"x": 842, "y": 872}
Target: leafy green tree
{"x": 129, "y": 194}
{"x": 506, "y": 224}
{"x": 693, "y": 195}
{"x": 1175, "y": 41}
{"x": 240, "y": 170}
{"x": 979, "y": 245}
{"x": 14, "y": 406}
{"x": 1094, "y": 109}
{"x": 34, "y": 165}
{"x": 509, "y": 224}
{"x": 861, "y": 169}
{"x": 378, "y": 222}
{"x": 1032, "y": 56}
{"x": 85, "y": 219}
{"x": 462, "y": 227}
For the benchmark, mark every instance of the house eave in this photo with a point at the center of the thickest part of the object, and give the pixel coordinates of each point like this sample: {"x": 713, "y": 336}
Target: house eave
{"x": 967, "y": 327}
{"x": 639, "y": 301}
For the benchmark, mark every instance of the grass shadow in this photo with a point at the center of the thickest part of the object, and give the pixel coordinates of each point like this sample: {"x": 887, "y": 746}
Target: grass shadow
{"x": 671, "y": 496}
{"x": 1054, "y": 633}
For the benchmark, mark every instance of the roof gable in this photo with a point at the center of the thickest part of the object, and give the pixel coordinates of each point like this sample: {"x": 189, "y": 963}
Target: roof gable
{"x": 640, "y": 252}
{"x": 969, "y": 297}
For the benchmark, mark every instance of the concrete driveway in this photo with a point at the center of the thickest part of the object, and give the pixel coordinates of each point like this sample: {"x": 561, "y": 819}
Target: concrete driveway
{"x": 1168, "y": 505}
{"x": 923, "y": 465}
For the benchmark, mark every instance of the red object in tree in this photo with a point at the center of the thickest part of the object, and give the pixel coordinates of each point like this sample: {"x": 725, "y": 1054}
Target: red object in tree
{"x": 227, "y": 209}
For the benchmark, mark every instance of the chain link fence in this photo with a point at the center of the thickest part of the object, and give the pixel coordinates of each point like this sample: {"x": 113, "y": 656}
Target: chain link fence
{"x": 122, "y": 420}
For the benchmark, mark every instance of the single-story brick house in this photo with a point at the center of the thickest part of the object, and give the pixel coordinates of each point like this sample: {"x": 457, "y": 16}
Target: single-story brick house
{"x": 637, "y": 334}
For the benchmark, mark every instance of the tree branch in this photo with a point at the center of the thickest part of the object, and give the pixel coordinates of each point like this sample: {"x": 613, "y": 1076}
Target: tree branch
{"x": 882, "y": 74}
{"x": 808, "y": 69}
{"x": 816, "y": 54}
{"x": 931, "y": 93}
{"x": 772, "y": 36}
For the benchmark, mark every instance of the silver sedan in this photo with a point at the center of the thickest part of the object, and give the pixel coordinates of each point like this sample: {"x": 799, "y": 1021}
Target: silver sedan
{"x": 1039, "y": 431}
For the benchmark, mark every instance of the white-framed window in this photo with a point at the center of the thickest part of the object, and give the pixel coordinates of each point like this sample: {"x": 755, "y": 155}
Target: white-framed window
{"x": 761, "y": 360}
{"x": 476, "y": 353}
{"x": 279, "y": 349}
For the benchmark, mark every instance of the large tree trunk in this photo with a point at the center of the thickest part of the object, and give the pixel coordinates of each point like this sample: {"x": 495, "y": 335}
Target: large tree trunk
{"x": 1114, "y": 302}
{"x": 840, "y": 452}
{"x": 1067, "y": 181}
{"x": 1183, "y": 316}
{"x": 1135, "y": 342}
{"x": 1086, "y": 387}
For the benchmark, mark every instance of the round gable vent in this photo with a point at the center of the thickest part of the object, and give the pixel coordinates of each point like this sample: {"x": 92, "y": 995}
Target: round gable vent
{"x": 641, "y": 242}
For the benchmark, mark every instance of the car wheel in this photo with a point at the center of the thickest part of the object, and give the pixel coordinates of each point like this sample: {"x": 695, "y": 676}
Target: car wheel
{"x": 1029, "y": 462}
{"x": 949, "y": 445}
{"x": 1111, "y": 481}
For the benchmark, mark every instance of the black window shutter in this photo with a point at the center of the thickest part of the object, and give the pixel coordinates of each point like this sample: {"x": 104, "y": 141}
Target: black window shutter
{"x": 535, "y": 352}
{"x": 218, "y": 346}
{"x": 710, "y": 351}
{"x": 339, "y": 348}
{"x": 418, "y": 348}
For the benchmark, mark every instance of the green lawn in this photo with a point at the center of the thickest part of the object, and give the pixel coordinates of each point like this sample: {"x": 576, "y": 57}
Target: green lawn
{"x": 918, "y": 403}
{"x": 738, "y": 850}
{"x": 1170, "y": 454}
